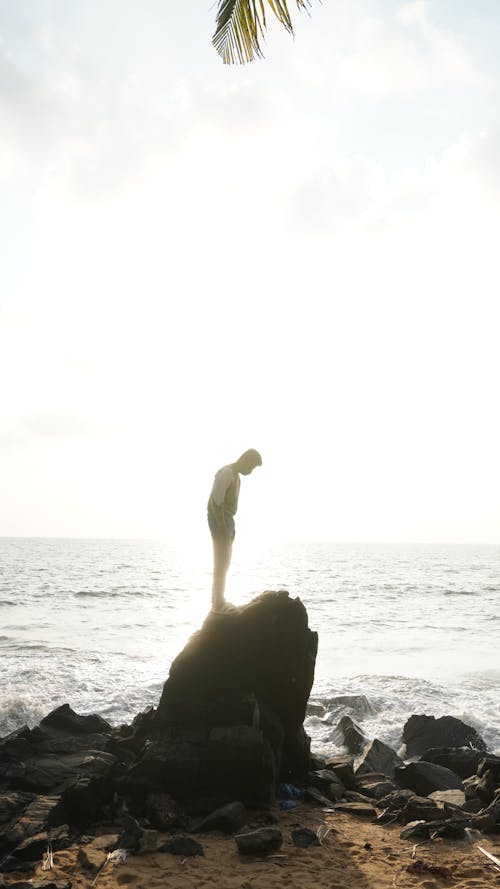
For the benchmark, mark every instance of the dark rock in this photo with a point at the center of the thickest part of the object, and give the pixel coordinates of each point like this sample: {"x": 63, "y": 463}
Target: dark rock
{"x": 304, "y": 837}
{"x": 41, "y": 813}
{"x": 13, "y": 803}
{"x": 64, "y": 719}
{"x": 327, "y": 782}
{"x": 62, "y": 744}
{"x": 356, "y": 808}
{"x": 421, "y": 808}
{"x": 131, "y": 835}
{"x": 343, "y": 766}
{"x": 346, "y": 733}
{"x": 84, "y": 798}
{"x": 180, "y": 845}
{"x": 451, "y": 828}
{"x": 484, "y": 787}
{"x": 396, "y": 800}
{"x": 415, "y": 830}
{"x": 472, "y": 806}
{"x": 315, "y": 709}
{"x": 315, "y": 796}
{"x": 378, "y": 757}
{"x": 49, "y": 771}
{"x": 259, "y": 842}
{"x": 423, "y": 732}
{"x": 44, "y": 884}
{"x": 485, "y": 822}
{"x": 16, "y": 745}
{"x": 454, "y": 798}
{"x": 228, "y": 819}
{"x": 425, "y": 777}
{"x": 461, "y": 760}
{"x": 352, "y": 796}
{"x": 377, "y": 789}
{"x": 265, "y": 649}
{"x": 163, "y": 812}
{"x": 490, "y": 763}
{"x": 30, "y": 850}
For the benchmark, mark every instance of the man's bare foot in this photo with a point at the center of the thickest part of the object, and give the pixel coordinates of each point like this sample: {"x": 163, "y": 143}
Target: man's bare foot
{"x": 223, "y": 608}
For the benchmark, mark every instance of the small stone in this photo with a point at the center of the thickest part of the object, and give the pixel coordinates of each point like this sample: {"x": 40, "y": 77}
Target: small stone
{"x": 304, "y": 837}
{"x": 415, "y": 830}
{"x": 227, "y": 819}
{"x": 181, "y": 845}
{"x": 259, "y": 842}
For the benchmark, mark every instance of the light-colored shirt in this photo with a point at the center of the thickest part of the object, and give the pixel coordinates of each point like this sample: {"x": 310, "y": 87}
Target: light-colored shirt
{"x": 225, "y": 490}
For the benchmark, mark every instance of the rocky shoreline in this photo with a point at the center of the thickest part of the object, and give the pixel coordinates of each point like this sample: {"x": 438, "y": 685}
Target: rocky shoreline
{"x": 225, "y": 752}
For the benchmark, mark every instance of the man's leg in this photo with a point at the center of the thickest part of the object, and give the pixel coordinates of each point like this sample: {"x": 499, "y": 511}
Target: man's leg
{"x": 222, "y": 558}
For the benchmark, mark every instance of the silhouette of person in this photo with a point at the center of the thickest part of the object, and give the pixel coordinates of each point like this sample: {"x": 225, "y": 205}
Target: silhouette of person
{"x": 222, "y": 506}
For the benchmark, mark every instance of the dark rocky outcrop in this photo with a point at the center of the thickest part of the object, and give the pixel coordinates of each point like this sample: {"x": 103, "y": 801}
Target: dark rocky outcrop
{"x": 229, "y": 727}
{"x": 245, "y": 679}
{"x": 421, "y": 732}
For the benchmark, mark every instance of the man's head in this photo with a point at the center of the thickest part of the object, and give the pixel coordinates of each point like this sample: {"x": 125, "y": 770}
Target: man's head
{"x": 248, "y": 461}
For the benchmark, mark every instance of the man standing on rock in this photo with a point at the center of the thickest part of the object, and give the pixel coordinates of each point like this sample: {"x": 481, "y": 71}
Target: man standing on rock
{"x": 222, "y": 506}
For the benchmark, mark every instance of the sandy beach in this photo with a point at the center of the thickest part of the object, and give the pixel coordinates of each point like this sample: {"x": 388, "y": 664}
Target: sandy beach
{"x": 356, "y": 854}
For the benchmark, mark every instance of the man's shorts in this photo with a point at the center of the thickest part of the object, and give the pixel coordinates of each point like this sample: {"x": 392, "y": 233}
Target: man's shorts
{"x": 215, "y": 529}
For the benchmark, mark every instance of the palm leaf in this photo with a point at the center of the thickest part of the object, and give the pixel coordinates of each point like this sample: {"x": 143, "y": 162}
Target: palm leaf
{"x": 240, "y": 25}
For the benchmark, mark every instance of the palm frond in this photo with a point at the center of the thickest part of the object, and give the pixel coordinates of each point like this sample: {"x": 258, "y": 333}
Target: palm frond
{"x": 240, "y": 26}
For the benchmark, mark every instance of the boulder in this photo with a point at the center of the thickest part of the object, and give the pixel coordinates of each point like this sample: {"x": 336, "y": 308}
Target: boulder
{"x": 327, "y": 782}
{"x": 64, "y": 720}
{"x": 425, "y": 777}
{"x": 376, "y": 788}
{"x": 378, "y": 757}
{"x": 343, "y": 766}
{"x": 246, "y": 676}
{"x": 422, "y": 732}
{"x": 461, "y": 760}
{"x": 349, "y": 735}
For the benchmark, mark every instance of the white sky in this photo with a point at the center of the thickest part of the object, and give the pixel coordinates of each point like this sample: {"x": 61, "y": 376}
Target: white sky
{"x": 300, "y": 255}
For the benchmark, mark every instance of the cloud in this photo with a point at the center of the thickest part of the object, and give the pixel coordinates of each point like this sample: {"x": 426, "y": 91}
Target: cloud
{"x": 403, "y": 55}
{"x": 24, "y": 429}
{"x": 332, "y": 195}
{"x": 457, "y": 189}
{"x": 96, "y": 138}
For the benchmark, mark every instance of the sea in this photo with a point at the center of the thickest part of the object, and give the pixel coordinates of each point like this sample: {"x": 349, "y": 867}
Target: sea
{"x": 402, "y": 628}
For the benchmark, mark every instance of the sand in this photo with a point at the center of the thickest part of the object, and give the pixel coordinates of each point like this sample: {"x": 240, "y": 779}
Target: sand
{"x": 357, "y": 854}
